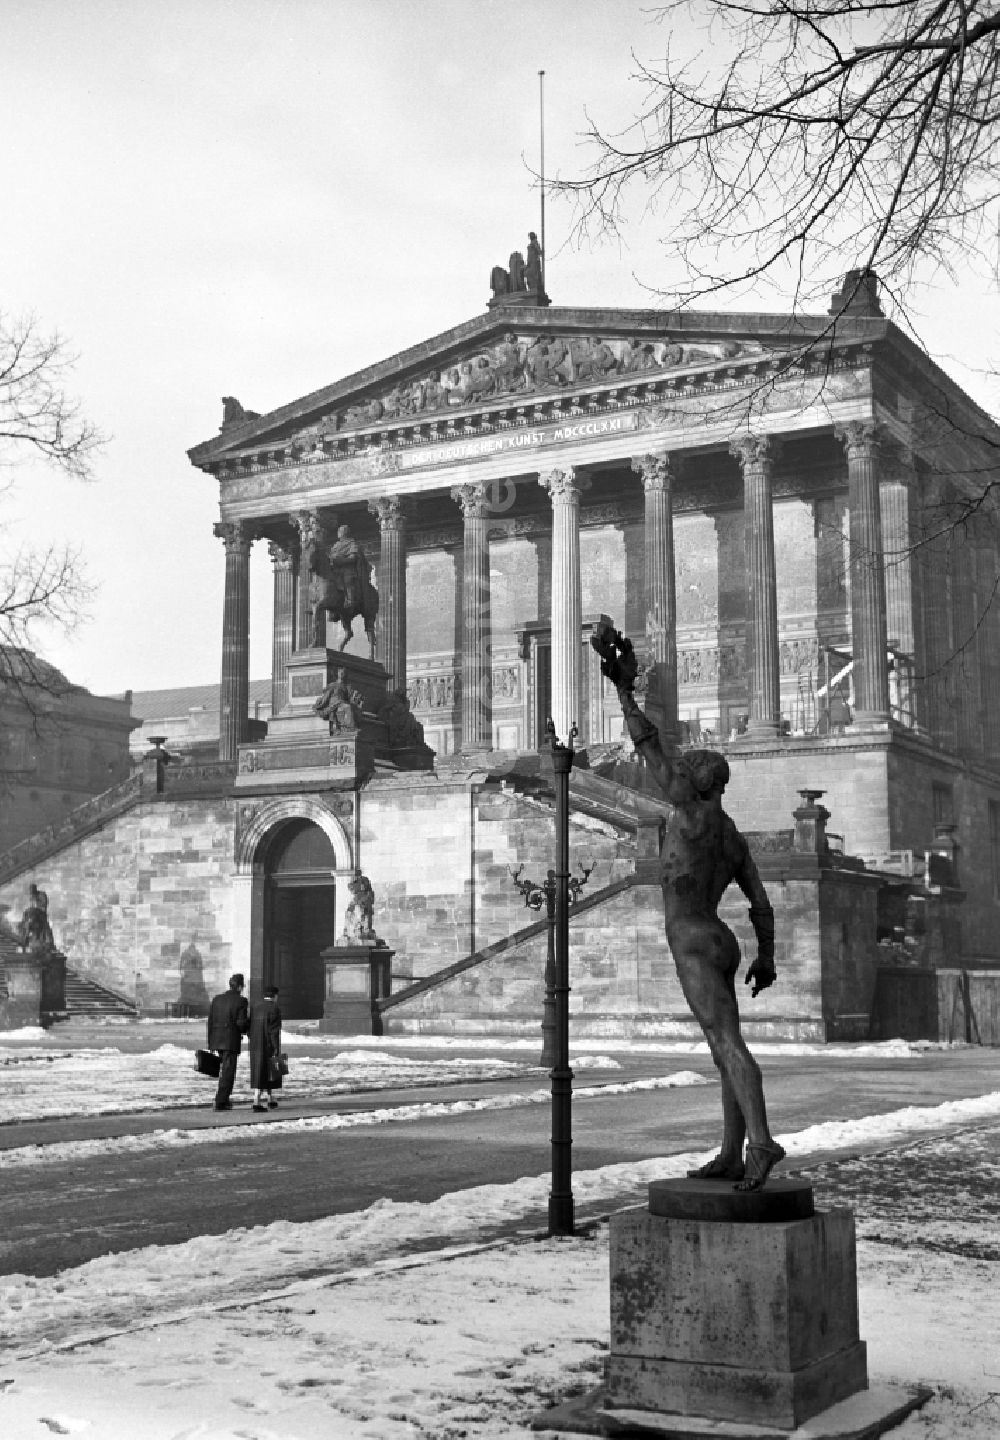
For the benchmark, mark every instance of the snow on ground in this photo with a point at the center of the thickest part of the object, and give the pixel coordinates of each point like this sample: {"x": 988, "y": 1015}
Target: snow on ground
{"x": 41, "y": 1084}
{"x": 122, "y": 1290}
{"x": 472, "y": 1342}
{"x": 43, "y": 1077}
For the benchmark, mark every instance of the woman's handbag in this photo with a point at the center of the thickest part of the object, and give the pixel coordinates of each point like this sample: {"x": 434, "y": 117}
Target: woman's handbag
{"x": 277, "y": 1066}
{"x": 206, "y": 1062}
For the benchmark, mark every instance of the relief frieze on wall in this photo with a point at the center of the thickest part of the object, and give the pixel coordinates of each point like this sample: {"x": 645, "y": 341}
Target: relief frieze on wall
{"x": 443, "y": 691}
{"x": 434, "y": 692}
{"x": 708, "y": 664}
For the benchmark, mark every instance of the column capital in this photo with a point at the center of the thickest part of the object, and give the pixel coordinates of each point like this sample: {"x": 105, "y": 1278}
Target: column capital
{"x": 389, "y": 510}
{"x": 472, "y": 499}
{"x": 282, "y": 553}
{"x": 656, "y": 471}
{"x": 236, "y": 535}
{"x": 564, "y": 486}
{"x": 755, "y": 452}
{"x": 862, "y": 439}
{"x": 309, "y": 526}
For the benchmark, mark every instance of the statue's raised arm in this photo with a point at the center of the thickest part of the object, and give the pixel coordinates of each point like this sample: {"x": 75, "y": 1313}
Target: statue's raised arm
{"x": 620, "y": 664}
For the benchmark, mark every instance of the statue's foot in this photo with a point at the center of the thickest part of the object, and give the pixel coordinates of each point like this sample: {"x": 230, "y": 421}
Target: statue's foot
{"x": 723, "y": 1167}
{"x": 761, "y": 1160}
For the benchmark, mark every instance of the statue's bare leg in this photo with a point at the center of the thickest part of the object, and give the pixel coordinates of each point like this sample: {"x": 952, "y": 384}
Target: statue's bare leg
{"x": 728, "y": 1164}
{"x": 706, "y": 955}
{"x": 348, "y": 633}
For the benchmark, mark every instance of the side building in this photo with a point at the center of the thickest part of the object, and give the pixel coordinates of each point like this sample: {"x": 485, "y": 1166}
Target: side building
{"x": 59, "y": 745}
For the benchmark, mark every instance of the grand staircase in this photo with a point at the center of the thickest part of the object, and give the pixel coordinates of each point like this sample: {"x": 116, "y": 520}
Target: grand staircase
{"x": 86, "y": 1000}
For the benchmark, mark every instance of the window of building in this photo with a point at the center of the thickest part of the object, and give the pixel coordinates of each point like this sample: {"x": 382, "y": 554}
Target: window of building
{"x": 943, "y": 805}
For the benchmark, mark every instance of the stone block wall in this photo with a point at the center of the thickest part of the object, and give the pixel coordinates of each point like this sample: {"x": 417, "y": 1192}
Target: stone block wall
{"x": 128, "y": 900}
{"x": 764, "y": 785}
{"x": 439, "y": 857}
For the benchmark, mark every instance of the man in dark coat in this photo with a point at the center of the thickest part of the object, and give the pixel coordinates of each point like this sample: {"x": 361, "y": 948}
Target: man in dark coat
{"x": 264, "y": 1045}
{"x": 228, "y": 1022}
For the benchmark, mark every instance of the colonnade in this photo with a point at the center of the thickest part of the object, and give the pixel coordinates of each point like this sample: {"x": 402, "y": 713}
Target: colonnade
{"x": 874, "y": 509}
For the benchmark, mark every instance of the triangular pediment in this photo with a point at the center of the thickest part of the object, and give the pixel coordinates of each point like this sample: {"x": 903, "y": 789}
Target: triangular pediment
{"x": 513, "y": 357}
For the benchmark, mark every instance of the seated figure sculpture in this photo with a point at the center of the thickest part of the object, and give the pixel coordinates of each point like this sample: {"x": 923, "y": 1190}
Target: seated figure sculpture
{"x": 340, "y": 705}
{"x": 701, "y": 854}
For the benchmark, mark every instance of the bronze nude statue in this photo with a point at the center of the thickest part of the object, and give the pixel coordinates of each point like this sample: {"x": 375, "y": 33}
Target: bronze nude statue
{"x": 702, "y": 853}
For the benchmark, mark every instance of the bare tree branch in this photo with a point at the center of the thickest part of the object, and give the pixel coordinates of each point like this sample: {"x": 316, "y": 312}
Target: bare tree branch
{"x": 832, "y": 136}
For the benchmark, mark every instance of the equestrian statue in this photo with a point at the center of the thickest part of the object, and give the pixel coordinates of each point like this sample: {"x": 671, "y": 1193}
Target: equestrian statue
{"x": 344, "y": 591}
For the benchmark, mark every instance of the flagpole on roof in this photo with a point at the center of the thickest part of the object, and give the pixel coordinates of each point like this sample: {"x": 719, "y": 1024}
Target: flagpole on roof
{"x": 541, "y": 123}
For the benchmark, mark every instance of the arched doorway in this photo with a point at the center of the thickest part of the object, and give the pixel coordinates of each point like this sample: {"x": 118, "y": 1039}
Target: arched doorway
{"x": 300, "y": 916}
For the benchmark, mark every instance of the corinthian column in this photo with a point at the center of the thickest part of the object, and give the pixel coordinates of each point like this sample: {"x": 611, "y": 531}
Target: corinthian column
{"x": 391, "y": 634}
{"x": 661, "y": 601}
{"x": 283, "y": 631}
{"x": 868, "y": 631}
{"x": 477, "y": 669}
{"x": 235, "y": 688}
{"x": 565, "y": 488}
{"x": 307, "y": 523}
{"x": 757, "y": 454}
{"x": 902, "y": 615}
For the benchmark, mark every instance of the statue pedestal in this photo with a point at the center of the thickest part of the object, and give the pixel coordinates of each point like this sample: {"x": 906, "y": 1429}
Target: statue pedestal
{"x": 737, "y": 1310}
{"x": 734, "y": 1316}
{"x": 35, "y": 986}
{"x": 302, "y": 751}
{"x": 356, "y": 977}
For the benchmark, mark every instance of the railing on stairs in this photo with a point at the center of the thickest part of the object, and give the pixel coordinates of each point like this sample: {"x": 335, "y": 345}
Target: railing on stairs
{"x": 498, "y": 947}
{"x": 79, "y": 821}
{"x": 152, "y": 782}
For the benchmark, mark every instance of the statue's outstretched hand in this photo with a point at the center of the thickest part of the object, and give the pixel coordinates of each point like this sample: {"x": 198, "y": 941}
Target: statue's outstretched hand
{"x": 760, "y": 975}
{"x": 618, "y": 658}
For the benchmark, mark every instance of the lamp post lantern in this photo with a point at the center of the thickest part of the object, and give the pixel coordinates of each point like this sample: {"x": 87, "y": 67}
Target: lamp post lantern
{"x": 536, "y": 894}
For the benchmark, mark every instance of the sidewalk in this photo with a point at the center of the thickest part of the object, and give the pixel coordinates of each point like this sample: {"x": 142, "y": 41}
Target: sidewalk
{"x": 471, "y": 1340}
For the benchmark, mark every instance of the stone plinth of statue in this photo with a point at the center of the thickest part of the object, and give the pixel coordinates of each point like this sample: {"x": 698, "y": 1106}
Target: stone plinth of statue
{"x": 734, "y": 1314}
{"x": 734, "y": 1305}
{"x": 32, "y": 985}
{"x": 357, "y": 977}
{"x": 338, "y": 718}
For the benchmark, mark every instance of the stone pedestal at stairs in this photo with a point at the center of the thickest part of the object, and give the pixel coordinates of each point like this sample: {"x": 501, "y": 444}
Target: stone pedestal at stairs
{"x": 32, "y": 986}
{"x": 357, "y": 976}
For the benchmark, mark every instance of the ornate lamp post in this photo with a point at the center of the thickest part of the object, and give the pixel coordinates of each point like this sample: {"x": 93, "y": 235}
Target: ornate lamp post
{"x": 536, "y": 894}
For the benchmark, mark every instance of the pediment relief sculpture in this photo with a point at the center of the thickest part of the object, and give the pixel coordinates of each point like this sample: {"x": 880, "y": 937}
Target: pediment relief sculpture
{"x": 530, "y": 364}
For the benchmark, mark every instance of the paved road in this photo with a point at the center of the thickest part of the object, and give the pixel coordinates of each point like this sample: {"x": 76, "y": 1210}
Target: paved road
{"x": 61, "y": 1214}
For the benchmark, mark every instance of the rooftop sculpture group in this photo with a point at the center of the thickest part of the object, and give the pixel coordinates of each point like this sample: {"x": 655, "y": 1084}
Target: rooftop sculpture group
{"x": 701, "y": 854}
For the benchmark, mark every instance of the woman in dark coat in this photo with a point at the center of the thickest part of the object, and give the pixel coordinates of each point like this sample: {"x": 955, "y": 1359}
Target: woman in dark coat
{"x": 264, "y": 1042}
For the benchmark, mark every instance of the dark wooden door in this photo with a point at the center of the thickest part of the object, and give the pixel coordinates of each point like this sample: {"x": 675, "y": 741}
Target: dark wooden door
{"x": 300, "y": 924}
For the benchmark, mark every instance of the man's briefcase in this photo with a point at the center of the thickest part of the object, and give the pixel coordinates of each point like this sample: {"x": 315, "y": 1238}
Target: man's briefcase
{"x": 206, "y": 1062}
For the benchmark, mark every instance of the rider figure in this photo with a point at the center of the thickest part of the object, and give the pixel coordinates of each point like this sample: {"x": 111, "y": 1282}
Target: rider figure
{"x": 346, "y": 557}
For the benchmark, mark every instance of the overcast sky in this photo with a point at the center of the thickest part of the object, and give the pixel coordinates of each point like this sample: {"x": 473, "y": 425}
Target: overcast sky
{"x": 254, "y": 199}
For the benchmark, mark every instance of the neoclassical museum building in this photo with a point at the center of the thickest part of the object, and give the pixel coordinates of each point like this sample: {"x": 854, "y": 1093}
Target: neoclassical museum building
{"x": 786, "y": 516}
